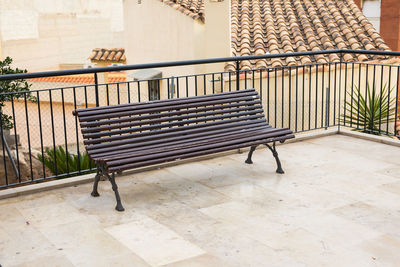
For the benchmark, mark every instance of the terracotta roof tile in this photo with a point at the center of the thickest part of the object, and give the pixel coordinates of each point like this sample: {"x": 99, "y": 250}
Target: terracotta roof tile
{"x": 191, "y": 8}
{"x": 285, "y": 26}
{"x": 113, "y": 55}
{"x": 81, "y": 79}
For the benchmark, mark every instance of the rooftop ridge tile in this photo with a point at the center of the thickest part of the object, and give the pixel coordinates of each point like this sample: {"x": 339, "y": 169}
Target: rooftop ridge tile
{"x": 191, "y": 8}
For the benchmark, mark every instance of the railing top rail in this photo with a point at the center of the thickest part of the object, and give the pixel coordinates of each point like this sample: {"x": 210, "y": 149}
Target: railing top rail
{"x": 188, "y": 62}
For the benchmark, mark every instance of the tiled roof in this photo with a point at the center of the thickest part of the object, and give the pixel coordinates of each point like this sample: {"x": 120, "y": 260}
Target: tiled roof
{"x": 81, "y": 79}
{"x": 114, "y": 55}
{"x": 191, "y": 8}
{"x": 284, "y": 26}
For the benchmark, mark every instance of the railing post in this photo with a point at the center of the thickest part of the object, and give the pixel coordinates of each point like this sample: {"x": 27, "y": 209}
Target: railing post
{"x": 327, "y": 107}
{"x": 397, "y": 111}
{"x": 340, "y": 87}
{"x": 7, "y": 149}
{"x": 237, "y": 75}
{"x": 96, "y": 89}
{"x": 172, "y": 92}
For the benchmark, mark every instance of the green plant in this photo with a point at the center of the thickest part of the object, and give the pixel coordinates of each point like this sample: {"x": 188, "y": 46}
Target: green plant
{"x": 19, "y": 88}
{"x": 66, "y": 162}
{"x": 368, "y": 113}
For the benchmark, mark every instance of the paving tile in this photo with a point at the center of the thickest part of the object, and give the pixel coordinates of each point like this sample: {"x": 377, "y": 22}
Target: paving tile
{"x": 155, "y": 243}
{"x": 235, "y": 249}
{"x": 19, "y": 240}
{"x": 383, "y": 220}
{"x": 199, "y": 261}
{"x": 214, "y": 174}
{"x": 384, "y": 250}
{"x": 301, "y": 245}
{"x": 393, "y": 171}
{"x": 310, "y": 195}
{"x": 48, "y": 261}
{"x": 184, "y": 220}
{"x": 252, "y": 193}
{"x": 121, "y": 260}
{"x": 186, "y": 171}
{"x": 234, "y": 211}
{"x": 86, "y": 244}
{"x": 391, "y": 187}
{"x": 194, "y": 194}
{"x": 144, "y": 196}
{"x": 51, "y": 215}
{"x": 338, "y": 231}
{"x": 366, "y": 149}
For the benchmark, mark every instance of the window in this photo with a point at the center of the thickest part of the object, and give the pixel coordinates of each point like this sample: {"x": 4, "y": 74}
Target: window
{"x": 154, "y": 90}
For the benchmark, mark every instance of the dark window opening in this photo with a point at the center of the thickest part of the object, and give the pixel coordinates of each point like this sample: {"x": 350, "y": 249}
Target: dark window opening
{"x": 154, "y": 90}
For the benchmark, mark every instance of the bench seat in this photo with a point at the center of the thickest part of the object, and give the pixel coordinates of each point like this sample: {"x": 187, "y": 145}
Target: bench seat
{"x": 129, "y": 136}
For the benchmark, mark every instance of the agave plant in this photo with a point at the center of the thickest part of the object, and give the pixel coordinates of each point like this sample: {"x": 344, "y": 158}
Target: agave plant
{"x": 368, "y": 113}
{"x": 59, "y": 161}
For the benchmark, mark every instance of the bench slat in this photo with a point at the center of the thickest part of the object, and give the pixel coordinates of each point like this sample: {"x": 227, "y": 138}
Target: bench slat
{"x": 124, "y": 122}
{"x": 106, "y": 115}
{"x": 139, "y": 136}
{"x": 106, "y": 141}
{"x": 91, "y": 111}
{"x": 148, "y": 124}
{"x": 143, "y": 154}
{"x": 197, "y": 153}
{"x": 174, "y": 137}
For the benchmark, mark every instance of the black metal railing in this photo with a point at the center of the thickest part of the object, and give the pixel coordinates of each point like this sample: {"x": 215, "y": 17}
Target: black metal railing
{"x": 45, "y": 142}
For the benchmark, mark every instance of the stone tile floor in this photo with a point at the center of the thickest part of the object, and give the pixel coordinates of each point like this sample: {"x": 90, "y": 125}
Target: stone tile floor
{"x": 337, "y": 205}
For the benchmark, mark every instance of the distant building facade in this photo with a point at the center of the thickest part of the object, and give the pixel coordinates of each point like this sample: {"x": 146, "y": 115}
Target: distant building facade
{"x": 385, "y": 16}
{"x": 53, "y": 34}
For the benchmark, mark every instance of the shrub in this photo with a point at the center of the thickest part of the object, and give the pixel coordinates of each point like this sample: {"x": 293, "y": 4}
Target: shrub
{"x": 369, "y": 112}
{"x": 19, "y": 87}
{"x": 66, "y": 162}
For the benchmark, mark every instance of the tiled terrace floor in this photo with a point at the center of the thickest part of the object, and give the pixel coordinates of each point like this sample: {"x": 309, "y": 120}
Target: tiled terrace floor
{"x": 337, "y": 205}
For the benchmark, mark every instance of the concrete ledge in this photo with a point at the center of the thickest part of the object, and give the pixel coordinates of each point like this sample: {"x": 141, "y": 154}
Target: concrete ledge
{"x": 370, "y": 137}
{"x": 311, "y": 135}
{"x": 40, "y": 187}
{"x": 44, "y": 186}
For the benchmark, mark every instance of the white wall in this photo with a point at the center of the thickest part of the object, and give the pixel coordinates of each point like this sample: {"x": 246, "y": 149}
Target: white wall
{"x": 372, "y": 10}
{"x": 41, "y": 34}
{"x": 156, "y": 32}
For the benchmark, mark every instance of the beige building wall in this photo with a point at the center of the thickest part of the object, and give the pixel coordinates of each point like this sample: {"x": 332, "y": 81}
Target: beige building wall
{"x": 217, "y": 32}
{"x": 156, "y": 32}
{"x": 42, "y": 34}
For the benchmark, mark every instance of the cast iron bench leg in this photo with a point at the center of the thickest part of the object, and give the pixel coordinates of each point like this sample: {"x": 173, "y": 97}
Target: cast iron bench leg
{"x": 278, "y": 162}
{"x": 248, "y": 160}
{"x": 95, "y": 193}
{"x": 119, "y": 206}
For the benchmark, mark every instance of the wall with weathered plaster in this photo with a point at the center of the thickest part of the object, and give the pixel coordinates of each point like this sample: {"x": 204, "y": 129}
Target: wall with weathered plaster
{"x": 42, "y": 34}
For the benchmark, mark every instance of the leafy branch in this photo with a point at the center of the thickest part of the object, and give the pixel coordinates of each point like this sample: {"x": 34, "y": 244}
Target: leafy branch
{"x": 11, "y": 90}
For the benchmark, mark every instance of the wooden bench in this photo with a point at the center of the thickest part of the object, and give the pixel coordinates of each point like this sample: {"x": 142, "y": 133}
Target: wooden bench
{"x": 128, "y": 136}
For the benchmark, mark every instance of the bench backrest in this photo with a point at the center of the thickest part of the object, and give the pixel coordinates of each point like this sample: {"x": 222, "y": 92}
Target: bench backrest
{"x": 126, "y": 126}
